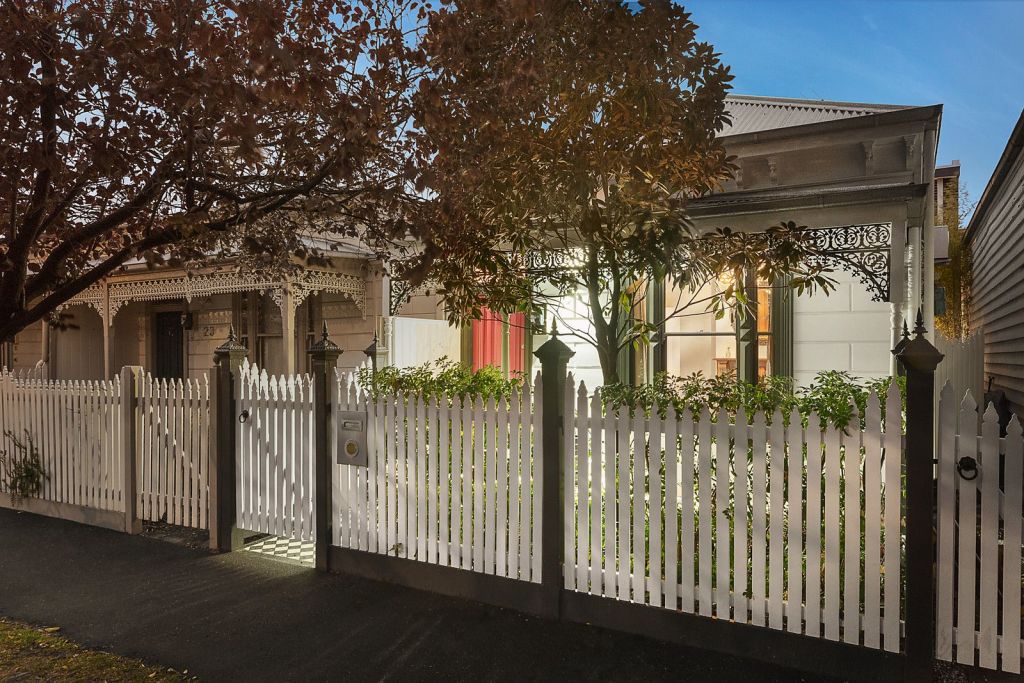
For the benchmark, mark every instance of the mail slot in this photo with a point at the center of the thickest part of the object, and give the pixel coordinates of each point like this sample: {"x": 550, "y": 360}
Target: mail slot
{"x": 351, "y": 435}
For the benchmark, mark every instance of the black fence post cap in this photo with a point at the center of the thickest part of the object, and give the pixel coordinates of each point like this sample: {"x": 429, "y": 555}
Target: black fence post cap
{"x": 918, "y": 353}
{"x": 554, "y": 349}
{"x": 325, "y": 348}
{"x": 231, "y": 350}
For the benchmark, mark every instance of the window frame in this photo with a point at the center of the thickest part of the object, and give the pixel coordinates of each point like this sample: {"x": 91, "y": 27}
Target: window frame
{"x": 746, "y": 334}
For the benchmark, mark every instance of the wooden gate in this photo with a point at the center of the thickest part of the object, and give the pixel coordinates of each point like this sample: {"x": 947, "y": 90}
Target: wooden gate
{"x": 451, "y": 481}
{"x": 274, "y": 445}
{"x": 978, "y": 606}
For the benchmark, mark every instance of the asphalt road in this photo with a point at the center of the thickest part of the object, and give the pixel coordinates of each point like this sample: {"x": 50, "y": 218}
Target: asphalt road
{"x": 243, "y": 617}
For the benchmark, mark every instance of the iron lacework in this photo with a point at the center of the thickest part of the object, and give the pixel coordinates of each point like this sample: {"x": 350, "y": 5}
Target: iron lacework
{"x": 859, "y": 249}
{"x": 862, "y": 250}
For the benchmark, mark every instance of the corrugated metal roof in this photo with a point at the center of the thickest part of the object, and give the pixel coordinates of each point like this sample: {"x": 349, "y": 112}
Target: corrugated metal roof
{"x": 751, "y": 114}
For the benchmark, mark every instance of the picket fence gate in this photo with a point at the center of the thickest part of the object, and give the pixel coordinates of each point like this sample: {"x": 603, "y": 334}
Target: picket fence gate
{"x": 274, "y": 443}
{"x": 74, "y": 427}
{"x": 173, "y": 444}
{"x": 978, "y": 601}
{"x": 451, "y": 481}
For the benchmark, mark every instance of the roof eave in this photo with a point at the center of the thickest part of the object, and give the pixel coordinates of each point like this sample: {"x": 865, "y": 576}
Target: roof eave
{"x": 1010, "y": 153}
{"x": 931, "y": 114}
{"x": 824, "y": 198}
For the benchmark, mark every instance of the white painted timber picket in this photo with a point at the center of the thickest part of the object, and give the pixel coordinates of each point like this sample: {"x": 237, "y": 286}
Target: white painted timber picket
{"x": 979, "y": 609}
{"x": 173, "y": 440}
{"x": 688, "y": 500}
{"x": 451, "y": 480}
{"x": 274, "y": 472}
{"x": 74, "y": 429}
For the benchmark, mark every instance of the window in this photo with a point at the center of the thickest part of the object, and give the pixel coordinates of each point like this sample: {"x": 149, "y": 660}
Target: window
{"x": 694, "y": 341}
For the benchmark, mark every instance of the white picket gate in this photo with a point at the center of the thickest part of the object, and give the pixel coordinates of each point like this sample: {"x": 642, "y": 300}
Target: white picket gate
{"x": 698, "y": 515}
{"x": 274, "y": 473}
{"x": 450, "y": 481}
{"x": 75, "y": 428}
{"x": 978, "y": 600}
{"x": 173, "y": 460}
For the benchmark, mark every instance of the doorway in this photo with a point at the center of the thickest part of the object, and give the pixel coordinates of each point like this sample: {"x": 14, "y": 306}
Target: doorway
{"x": 169, "y": 345}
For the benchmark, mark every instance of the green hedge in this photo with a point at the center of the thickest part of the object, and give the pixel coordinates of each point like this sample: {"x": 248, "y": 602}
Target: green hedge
{"x": 443, "y": 377}
{"x": 831, "y": 395}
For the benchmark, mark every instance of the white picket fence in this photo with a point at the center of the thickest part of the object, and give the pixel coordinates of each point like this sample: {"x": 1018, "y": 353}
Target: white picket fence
{"x": 74, "y": 427}
{"x": 755, "y": 520}
{"x": 274, "y": 473}
{"x": 450, "y": 481}
{"x": 979, "y": 608}
{"x": 173, "y": 461}
{"x": 963, "y": 364}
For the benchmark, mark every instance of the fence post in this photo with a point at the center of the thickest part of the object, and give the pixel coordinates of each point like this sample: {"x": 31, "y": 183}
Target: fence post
{"x": 227, "y": 358}
{"x": 323, "y": 356}
{"x": 919, "y": 358}
{"x": 129, "y": 408}
{"x": 554, "y": 357}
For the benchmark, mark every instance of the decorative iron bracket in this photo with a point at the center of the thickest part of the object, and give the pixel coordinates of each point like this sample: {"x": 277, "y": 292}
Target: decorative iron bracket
{"x": 863, "y": 250}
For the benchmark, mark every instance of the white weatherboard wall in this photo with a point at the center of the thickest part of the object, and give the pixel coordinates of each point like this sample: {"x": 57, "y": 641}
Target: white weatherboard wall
{"x": 416, "y": 341}
{"x": 845, "y": 330}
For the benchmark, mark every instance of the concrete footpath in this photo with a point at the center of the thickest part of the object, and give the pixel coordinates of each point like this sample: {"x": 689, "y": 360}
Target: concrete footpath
{"x": 243, "y": 617}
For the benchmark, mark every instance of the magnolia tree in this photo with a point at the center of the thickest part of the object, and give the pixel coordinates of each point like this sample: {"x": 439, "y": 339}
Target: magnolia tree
{"x": 172, "y": 131}
{"x": 583, "y": 130}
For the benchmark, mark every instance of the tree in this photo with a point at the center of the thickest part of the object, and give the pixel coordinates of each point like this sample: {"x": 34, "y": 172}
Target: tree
{"x": 583, "y": 129}
{"x": 176, "y": 131}
{"x": 954, "y": 276}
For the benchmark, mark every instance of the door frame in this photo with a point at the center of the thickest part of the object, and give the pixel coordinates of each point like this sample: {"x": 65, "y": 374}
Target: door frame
{"x": 180, "y": 307}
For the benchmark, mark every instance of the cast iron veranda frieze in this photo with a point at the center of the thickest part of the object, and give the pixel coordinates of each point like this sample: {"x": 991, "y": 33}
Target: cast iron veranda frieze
{"x": 862, "y": 250}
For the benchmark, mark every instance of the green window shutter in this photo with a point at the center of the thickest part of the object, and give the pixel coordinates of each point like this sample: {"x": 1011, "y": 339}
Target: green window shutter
{"x": 746, "y": 334}
{"x": 782, "y": 329}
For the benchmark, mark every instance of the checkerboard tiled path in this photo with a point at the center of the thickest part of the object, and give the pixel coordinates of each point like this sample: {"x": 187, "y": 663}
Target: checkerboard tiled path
{"x": 287, "y": 549}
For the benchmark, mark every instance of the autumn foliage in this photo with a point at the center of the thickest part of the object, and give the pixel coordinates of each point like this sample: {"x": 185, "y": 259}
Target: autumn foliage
{"x": 172, "y": 131}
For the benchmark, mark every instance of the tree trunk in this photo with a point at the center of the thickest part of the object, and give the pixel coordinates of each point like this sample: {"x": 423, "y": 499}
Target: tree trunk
{"x": 608, "y": 354}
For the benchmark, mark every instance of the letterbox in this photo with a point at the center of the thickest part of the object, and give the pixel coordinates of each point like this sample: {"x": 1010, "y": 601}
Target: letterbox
{"x": 351, "y": 430}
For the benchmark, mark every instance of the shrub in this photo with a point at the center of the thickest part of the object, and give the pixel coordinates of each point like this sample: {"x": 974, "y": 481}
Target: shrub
{"x": 831, "y": 395}
{"x": 23, "y": 474}
{"x": 443, "y": 377}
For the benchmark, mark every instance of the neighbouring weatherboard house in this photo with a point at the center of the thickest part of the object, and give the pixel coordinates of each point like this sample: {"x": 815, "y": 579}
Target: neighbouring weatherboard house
{"x": 862, "y": 176}
{"x": 995, "y": 236}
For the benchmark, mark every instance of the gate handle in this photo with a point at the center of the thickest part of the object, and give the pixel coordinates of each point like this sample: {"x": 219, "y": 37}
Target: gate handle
{"x": 243, "y": 416}
{"x": 967, "y": 467}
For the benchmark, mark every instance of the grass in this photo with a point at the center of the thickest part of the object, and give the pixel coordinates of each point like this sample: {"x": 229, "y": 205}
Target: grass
{"x": 28, "y": 653}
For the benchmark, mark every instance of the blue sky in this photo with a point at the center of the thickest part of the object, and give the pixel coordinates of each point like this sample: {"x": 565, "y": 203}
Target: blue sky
{"x": 967, "y": 56}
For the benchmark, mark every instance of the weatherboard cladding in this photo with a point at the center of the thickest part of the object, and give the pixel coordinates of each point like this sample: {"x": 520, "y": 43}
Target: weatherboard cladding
{"x": 997, "y": 290}
{"x": 753, "y": 114}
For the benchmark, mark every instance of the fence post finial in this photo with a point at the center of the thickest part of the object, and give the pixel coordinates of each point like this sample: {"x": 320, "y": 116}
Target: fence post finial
{"x": 371, "y": 353}
{"x": 919, "y": 324}
{"x": 920, "y": 359}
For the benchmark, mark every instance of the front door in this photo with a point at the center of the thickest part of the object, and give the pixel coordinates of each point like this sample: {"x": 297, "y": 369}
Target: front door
{"x": 169, "y": 346}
